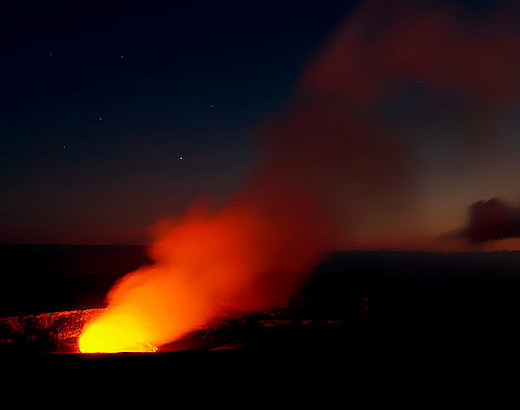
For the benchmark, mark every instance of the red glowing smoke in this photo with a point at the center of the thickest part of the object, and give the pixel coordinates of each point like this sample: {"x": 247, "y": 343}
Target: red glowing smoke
{"x": 325, "y": 166}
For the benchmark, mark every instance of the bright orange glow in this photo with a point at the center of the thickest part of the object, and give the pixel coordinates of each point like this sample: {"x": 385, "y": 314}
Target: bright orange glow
{"x": 114, "y": 333}
{"x": 207, "y": 266}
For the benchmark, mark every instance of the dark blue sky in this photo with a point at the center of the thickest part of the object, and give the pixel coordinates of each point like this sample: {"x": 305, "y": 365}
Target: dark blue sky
{"x": 101, "y": 99}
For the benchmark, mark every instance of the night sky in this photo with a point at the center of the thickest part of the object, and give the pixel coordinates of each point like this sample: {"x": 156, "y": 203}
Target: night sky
{"x": 115, "y": 114}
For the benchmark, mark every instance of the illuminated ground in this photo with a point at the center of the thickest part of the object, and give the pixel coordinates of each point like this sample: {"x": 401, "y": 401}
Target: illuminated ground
{"x": 362, "y": 315}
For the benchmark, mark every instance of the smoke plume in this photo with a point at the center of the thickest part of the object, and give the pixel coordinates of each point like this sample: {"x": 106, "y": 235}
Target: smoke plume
{"x": 326, "y": 172}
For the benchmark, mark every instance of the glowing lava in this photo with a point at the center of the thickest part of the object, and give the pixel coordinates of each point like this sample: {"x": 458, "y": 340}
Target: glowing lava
{"x": 114, "y": 333}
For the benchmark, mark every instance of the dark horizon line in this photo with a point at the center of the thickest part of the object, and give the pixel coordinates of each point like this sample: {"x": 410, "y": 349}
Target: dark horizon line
{"x": 388, "y": 250}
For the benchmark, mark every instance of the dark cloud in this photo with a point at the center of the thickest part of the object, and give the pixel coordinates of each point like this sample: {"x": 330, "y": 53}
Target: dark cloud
{"x": 491, "y": 220}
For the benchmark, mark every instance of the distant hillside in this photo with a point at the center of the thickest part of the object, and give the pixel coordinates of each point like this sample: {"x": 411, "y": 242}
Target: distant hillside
{"x": 70, "y": 259}
{"x": 44, "y": 278}
{"x": 400, "y": 264}
{"x": 47, "y": 278}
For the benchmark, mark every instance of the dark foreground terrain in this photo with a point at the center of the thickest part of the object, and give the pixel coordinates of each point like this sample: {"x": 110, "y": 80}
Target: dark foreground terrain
{"x": 399, "y": 318}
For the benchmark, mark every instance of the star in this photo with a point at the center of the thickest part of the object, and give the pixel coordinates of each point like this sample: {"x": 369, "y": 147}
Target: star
{"x": 212, "y": 105}
{"x": 100, "y": 118}
{"x": 180, "y": 157}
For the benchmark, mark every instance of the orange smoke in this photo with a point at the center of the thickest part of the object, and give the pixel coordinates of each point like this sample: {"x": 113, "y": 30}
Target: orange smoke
{"x": 208, "y": 266}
